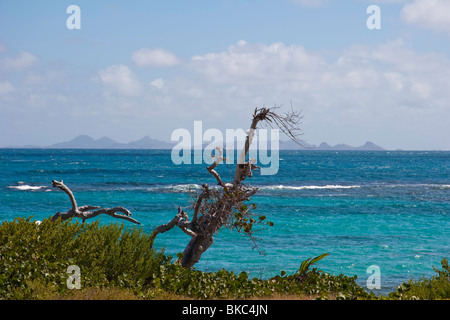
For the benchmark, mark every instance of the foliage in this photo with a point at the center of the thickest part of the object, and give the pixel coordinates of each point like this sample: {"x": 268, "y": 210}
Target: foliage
{"x": 438, "y": 287}
{"x": 107, "y": 255}
{"x": 118, "y": 263}
{"x": 308, "y": 262}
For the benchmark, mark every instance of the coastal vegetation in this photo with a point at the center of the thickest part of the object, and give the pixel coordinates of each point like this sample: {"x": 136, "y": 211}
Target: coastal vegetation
{"x": 119, "y": 263}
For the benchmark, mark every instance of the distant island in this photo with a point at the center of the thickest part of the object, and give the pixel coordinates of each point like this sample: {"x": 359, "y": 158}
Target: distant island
{"x": 291, "y": 145}
{"x": 86, "y": 142}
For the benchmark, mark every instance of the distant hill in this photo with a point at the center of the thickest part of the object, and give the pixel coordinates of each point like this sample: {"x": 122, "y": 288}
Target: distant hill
{"x": 369, "y": 146}
{"x": 291, "y": 145}
{"x": 149, "y": 143}
{"x": 86, "y": 142}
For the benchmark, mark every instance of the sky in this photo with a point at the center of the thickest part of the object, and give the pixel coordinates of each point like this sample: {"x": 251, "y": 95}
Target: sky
{"x": 146, "y": 68}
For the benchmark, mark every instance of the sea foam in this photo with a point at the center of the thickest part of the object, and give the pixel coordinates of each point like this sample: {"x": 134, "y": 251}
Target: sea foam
{"x": 26, "y": 187}
{"x": 282, "y": 187}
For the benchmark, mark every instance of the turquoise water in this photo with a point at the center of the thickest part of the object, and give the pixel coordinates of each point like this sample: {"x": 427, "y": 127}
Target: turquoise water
{"x": 384, "y": 208}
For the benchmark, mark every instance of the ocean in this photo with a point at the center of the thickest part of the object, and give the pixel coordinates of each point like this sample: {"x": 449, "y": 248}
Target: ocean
{"x": 390, "y": 209}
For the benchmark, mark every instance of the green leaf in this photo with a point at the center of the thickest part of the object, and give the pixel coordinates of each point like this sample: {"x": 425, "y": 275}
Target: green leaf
{"x": 304, "y": 266}
{"x": 243, "y": 275}
{"x": 319, "y": 258}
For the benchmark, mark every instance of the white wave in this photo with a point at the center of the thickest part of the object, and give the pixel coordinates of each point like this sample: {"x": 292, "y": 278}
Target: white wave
{"x": 175, "y": 188}
{"x": 281, "y": 187}
{"x": 183, "y": 187}
{"x": 416, "y": 185}
{"x": 26, "y": 187}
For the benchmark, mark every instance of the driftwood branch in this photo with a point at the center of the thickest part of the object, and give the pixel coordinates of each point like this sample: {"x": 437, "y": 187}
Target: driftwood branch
{"x": 63, "y": 187}
{"x": 85, "y": 212}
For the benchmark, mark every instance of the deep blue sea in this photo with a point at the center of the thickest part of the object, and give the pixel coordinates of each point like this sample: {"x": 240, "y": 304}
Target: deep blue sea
{"x": 385, "y": 208}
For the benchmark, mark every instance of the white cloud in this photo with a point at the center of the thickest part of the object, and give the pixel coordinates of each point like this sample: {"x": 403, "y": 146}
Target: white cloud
{"x": 154, "y": 58}
{"x": 157, "y": 83}
{"x": 360, "y": 91}
{"x": 421, "y": 90}
{"x": 277, "y": 68}
{"x": 430, "y": 14}
{"x": 395, "y": 80}
{"x": 310, "y": 3}
{"x": 23, "y": 60}
{"x": 5, "y": 88}
{"x": 322, "y": 3}
{"x": 120, "y": 79}
{"x": 381, "y": 93}
{"x": 378, "y": 2}
{"x": 257, "y": 63}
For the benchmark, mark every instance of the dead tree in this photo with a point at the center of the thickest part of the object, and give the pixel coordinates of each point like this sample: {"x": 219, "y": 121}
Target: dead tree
{"x": 227, "y": 204}
{"x": 85, "y": 212}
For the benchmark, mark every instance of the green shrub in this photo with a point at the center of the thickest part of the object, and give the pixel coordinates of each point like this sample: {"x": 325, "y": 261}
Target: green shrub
{"x": 117, "y": 262}
{"x": 438, "y": 287}
{"x": 226, "y": 284}
{"x": 107, "y": 255}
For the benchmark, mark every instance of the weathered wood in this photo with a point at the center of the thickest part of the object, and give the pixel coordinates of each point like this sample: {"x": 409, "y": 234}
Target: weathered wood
{"x": 85, "y": 212}
{"x": 214, "y": 164}
{"x": 179, "y": 220}
{"x": 194, "y": 250}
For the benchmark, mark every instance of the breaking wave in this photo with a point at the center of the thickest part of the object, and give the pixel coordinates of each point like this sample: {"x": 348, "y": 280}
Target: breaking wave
{"x": 26, "y": 187}
{"x": 175, "y": 188}
{"x": 188, "y": 187}
{"x": 281, "y": 187}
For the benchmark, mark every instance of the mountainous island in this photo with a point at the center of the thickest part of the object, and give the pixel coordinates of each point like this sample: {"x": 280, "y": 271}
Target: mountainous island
{"x": 86, "y": 142}
{"x": 291, "y": 145}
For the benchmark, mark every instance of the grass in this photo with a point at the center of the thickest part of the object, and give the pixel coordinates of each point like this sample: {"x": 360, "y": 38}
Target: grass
{"x": 120, "y": 264}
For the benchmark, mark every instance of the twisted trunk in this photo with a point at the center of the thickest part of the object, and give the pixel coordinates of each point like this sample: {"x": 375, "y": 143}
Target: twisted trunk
{"x": 194, "y": 250}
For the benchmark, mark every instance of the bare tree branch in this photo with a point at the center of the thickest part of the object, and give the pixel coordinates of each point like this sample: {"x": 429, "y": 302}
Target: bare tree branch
{"x": 181, "y": 220}
{"x": 84, "y": 212}
{"x": 205, "y": 194}
{"x": 214, "y": 164}
{"x": 63, "y": 187}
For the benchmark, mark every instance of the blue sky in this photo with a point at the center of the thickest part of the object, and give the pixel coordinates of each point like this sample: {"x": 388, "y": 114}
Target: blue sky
{"x": 149, "y": 67}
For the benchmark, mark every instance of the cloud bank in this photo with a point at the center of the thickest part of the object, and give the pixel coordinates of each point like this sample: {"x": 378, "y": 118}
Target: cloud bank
{"x": 22, "y": 61}
{"x": 120, "y": 79}
{"x": 387, "y": 93}
{"x": 154, "y": 58}
{"x": 429, "y": 14}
